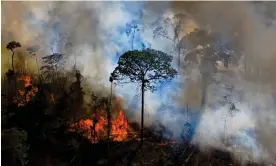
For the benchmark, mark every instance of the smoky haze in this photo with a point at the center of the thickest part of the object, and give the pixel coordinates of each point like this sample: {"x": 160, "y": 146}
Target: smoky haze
{"x": 250, "y": 85}
{"x": 91, "y": 32}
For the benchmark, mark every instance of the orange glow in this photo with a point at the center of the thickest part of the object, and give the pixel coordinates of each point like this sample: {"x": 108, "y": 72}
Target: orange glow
{"x": 119, "y": 126}
{"x": 26, "y": 79}
{"x": 27, "y": 95}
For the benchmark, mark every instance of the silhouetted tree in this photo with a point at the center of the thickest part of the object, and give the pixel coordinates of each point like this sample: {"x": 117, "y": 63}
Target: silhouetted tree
{"x": 147, "y": 67}
{"x": 12, "y": 46}
{"x": 32, "y": 51}
{"x": 76, "y": 94}
{"x": 52, "y": 63}
{"x": 176, "y": 23}
{"x": 204, "y": 49}
{"x": 131, "y": 30}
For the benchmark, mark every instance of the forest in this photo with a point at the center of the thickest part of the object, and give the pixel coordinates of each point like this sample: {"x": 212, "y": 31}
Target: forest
{"x": 53, "y": 114}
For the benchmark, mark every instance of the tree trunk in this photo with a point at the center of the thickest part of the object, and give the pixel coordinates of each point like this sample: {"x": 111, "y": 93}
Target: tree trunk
{"x": 37, "y": 64}
{"x": 142, "y": 113}
{"x": 109, "y": 114}
{"x": 187, "y": 112}
{"x": 12, "y": 60}
{"x": 179, "y": 52}
{"x": 133, "y": 35}
{"x": 203, "y": 95}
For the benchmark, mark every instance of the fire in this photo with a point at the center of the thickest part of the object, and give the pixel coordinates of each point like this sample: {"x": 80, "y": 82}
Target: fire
{"x": 29, "y": 93}
{"x": 119, "y": 127}
{"x": 96, "y": 128}
{"x": 26, "y": 79}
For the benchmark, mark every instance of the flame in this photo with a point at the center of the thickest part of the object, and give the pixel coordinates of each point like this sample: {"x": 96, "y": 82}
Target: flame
{"x": 119, "y": 127}
{"x": 95, "y": 128}
{"x": 27, "y": 80}
{"x": 29, "y": 94}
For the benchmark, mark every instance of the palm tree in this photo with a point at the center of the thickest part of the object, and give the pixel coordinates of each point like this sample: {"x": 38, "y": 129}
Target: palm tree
{"x": 12, "y": 46}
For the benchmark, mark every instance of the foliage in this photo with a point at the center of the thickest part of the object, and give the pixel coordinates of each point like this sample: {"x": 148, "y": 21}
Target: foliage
{"x": 52, "y": 63}
{"x": 131, "y": 29}
{"x": 13, "y": 45}
{"x": 203, "y": 49}
{"x": 210, "y": 46}
{"x": 151, "y": 66}
{"x": 176, "y": 23}
{"x": 33, "y": 49}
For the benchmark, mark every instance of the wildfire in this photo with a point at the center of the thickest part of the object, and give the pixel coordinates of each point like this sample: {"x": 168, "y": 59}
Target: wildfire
{"x": 26, "y": 79}
{"x": 29, "y": 90}
{"x": 119, "y": 127}
{"x": 96, "y": 128}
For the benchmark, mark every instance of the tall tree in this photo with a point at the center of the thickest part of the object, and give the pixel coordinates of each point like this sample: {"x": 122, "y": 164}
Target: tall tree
{"x": 12, "y": 46}
{"x": 52, "y": 63}
{"x": 204, "y": 50}
{"x": 131, "y": 30}
{"x": 147, "y": 67}
{"x": 176, "y": 24}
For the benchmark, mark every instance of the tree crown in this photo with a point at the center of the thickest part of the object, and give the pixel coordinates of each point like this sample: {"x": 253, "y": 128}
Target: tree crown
{"x": 147, "y": 66}
{"x": 12, "y": 45}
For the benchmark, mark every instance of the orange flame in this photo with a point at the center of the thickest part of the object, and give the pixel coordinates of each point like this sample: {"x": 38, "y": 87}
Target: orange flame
{"x": 119, "y": 126}
{"x": 30, "y": 93}
{"x": 27, "y": 80}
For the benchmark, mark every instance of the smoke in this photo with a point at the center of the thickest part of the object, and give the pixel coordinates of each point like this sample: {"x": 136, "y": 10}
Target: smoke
{"x": 250, "y": 86}
{"x": 94, "y": 35}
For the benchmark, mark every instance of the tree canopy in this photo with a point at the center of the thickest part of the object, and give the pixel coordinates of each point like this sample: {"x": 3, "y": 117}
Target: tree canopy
{"x": 12, "y": 45}
{"x": 151, "y": 66}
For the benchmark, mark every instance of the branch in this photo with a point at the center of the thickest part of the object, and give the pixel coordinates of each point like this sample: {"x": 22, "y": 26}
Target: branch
{"x": 167, "y": 37}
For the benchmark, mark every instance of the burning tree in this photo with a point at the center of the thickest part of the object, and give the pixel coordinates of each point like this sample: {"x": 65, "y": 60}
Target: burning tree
{"x": 147, "y": 67}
